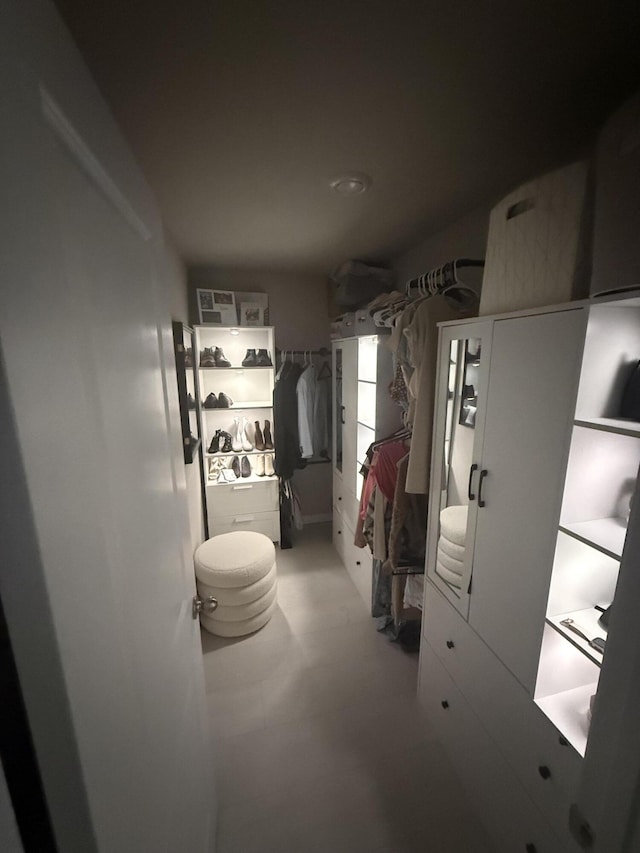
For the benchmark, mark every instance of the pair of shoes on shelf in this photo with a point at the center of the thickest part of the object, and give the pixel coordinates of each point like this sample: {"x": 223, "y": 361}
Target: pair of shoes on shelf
{"x": 213, "y": 357}
{"x": 261, "y": 358}
{"x": 263, "y": 465}
{"x": 221, "y": 442}
{"x": 222, "y": 401}
{"x": 263, "y": 441}
{"x": 239, "y": 436}
{"x": 241, "y": 467}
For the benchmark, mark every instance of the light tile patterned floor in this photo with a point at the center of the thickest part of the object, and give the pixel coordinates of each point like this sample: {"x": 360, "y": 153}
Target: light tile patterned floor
{"x": 320, "y": 743}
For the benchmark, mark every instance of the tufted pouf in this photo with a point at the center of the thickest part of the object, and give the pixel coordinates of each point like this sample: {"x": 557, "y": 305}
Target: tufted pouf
{"x": 239, "y": 570}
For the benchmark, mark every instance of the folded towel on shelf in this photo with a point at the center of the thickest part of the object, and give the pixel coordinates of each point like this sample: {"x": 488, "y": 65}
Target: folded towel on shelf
{"x": 451, "y": 578}
{"x": 453, "y": 524}
{"x": 455, "y": 566}
{"x": 450, "y": 548}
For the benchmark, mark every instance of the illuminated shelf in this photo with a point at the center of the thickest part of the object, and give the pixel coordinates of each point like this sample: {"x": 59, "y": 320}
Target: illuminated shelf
{"x": 616, "y": 425}
{"x": 251, "y": 404}
{"x": 586, "y": 620}
{"x": 605, "y": 534}
{"x": 568, "y": 712}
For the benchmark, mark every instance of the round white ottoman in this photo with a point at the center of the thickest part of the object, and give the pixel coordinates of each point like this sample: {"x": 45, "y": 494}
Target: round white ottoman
{"x": 239, "y": 570}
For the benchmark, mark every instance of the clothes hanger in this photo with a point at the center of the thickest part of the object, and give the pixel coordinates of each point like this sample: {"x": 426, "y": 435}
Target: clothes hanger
{"x": 325, "y": 371}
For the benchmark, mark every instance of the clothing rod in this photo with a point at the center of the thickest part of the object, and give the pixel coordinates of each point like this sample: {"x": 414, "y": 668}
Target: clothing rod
{"x": 323, "y": 351}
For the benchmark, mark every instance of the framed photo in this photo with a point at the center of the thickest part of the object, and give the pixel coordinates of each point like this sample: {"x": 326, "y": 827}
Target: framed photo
{"x": 217, "y": 307}
{"x": 257, "y": 300}
{"x": 251, "y": 314}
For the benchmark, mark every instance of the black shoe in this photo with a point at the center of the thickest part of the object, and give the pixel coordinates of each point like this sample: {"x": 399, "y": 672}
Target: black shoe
{"x": 220, "y": 359}
{"x": 263, "y": 359}
{"x": 211, "y": 402}
{"x": 224, "y": 402}
{"x": 191, "y": 403}
{"x": 224, "y": 442}
{"x": 207, "y": 357}
{"x": 250, "y": 358}
{"x": 214, "y": 447}
{"x": 468, "y": 392}
{"x": 245, "y": 467}
{"x": 268, "y": 441}
{"x": 235, "y": 466}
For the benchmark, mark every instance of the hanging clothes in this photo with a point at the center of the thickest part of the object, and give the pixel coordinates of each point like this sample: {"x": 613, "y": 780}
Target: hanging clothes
{"x": 306, "y": 394}
{"x": 286, "y": 437}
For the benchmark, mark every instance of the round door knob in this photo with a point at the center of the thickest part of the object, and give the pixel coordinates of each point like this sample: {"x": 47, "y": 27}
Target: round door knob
{"x": 450, "y": 644}
{"x": 444, "y": 704}
{"x": 544, "y": 771}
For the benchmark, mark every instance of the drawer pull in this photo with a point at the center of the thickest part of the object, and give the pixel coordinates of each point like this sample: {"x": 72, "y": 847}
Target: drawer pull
{"x": 339, "y": 499}
{"x": 339, "y": 532}
{"x": 240, "y": 488}
{"x": 531, "y": 848}
{"x": 444, "y": 704}
{"x": 240, "y": 518}
{"x": 450, "y": 644}
{"x": 358, "y": 563}
{"x": 544, "y": 771}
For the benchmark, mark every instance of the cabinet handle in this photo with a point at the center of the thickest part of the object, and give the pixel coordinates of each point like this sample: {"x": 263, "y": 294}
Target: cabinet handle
{"x": 240, "y": 518}
{"x": 470, "y": 495}
{"x": 240, "y": 488}
{"x": 444, "y": 704}
{"x": 483, "y": 474}
{"x": 544, "y": 771}
{"x": 342, "y": 420}
{"x": 450, "y": 644}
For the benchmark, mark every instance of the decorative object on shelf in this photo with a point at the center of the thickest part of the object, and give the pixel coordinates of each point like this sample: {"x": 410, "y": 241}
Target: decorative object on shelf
{"x": 211, "y": 401}
{"x": 217, "y": 307}
{"x": 251, "y": 301}
{"x": 251, "y": 314}
{"x": 258, "y": 437}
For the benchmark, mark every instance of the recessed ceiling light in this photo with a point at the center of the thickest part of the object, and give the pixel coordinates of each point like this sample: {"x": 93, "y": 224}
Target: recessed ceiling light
{"x": 354, "y": 183}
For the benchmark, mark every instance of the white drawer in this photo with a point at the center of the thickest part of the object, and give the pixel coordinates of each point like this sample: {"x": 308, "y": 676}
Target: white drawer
{"x": 267, "y": 523}
{"x": 500, "y": 800}
{"x": 242, "y": 497}
{"x": 546, "y": 764}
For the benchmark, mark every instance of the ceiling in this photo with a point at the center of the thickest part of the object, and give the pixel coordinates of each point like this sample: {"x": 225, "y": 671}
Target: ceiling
{"x": 240, "y": 112}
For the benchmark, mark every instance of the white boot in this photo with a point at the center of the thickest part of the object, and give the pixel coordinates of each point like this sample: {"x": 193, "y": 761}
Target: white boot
{"x": 244, "y": 436}
{"x": 259, "y": 465}
{"x": 236, "y": 436}
{"x": 268, "y": 465}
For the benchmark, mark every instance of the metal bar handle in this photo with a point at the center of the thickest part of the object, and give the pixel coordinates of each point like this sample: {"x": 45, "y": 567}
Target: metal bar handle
{"x": 470, "y": 495}
{"x": 483, "y": 474}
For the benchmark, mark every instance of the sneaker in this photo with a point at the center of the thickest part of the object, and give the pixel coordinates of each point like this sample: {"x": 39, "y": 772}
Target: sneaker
{"x": 268, "y": 441}
{"x": 219, "y": 358}
{"x": 250, "y": 358}
{"x": 269, "y": 470}
{"x": 258, "y": 465}
{"x": 263, "y": 359}
{"x": 258, "y": 437}
{"x": 207, "y": 357}
{"x": 235, "y": 466}
{"x": 214, "y": 447}
{"x": 211, "y": 402}
{"x": 224, "y": 402}
{"x": 245, "y": 466}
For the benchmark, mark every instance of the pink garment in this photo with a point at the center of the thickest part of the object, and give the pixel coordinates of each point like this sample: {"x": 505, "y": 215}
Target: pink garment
{"x": 368, "y": 487}
{"x": 386, "y": 468}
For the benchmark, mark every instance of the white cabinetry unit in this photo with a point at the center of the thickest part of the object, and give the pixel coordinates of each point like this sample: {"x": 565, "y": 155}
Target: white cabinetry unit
{"x": 535, "y": 487}
{"x": 248, "y": 502}
{"x": 363, "y": 412}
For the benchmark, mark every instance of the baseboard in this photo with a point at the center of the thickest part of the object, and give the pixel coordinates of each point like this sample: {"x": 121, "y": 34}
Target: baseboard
{"x": 317, "y": 519}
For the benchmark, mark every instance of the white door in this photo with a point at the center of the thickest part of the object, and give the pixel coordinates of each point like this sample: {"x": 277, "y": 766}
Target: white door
{"x": 349, "y": 415}
{"x": 533, "y": 383}
{"x": 95, "y": 577}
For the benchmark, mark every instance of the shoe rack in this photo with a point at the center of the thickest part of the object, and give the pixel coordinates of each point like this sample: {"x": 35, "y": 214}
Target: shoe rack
{"x": 235, "y": 370}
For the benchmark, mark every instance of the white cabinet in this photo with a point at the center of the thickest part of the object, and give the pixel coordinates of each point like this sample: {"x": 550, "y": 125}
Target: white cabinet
{"x": 363, "y": 412}
{"x": 249, "y": 502}
{"x": 542, "y": 490}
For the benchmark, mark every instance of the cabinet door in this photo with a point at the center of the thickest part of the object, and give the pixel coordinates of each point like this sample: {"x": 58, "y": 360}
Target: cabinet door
{"x": 349, "y": 416}
{"x": 532, "y": 390}
{"x": 461, "y": 390}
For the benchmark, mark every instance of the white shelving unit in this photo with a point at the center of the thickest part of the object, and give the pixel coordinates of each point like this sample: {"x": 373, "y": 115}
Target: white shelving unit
{"x": 248, "y": 503}
{"x": 601, "y": 476}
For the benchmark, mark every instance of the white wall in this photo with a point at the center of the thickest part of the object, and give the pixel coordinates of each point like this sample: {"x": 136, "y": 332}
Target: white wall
{"x": 298, "y": 309}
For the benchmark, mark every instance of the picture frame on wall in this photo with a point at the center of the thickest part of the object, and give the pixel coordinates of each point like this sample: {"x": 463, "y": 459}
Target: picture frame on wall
{"x": 251, "y": 314}
{"x": 260, "y": 300}
{"x": 217, "y": 307}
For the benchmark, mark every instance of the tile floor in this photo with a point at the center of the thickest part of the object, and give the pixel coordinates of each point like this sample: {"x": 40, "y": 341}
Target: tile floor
{"x": 320, "y": 743}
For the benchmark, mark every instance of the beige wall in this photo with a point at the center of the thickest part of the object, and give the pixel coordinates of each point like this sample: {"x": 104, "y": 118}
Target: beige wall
{"x": 298, "y": 310}
{"x": 465, "y": 238}
{"x": 177, "y": 281}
